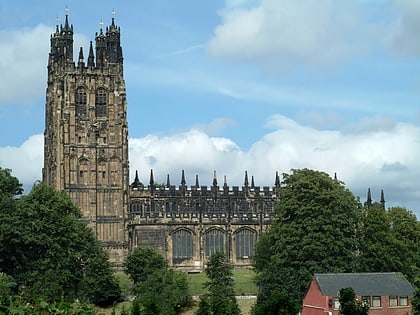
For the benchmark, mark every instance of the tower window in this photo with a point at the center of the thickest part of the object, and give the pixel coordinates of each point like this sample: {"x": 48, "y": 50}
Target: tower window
{"x": 80, "y": 102}
{"x": 100, "y": 103}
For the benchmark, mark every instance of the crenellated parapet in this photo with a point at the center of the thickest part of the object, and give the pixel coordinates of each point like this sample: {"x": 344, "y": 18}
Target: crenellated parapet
{"x": 227, "y": 218}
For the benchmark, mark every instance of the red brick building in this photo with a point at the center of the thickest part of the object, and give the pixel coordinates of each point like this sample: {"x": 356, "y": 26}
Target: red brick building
{"x": 387, "y": 293}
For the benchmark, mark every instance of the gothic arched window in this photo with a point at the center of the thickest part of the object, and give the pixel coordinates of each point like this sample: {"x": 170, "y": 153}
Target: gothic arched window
{"x": 100, "y": 103}
{"x": 181, "y": 246}
{"x": 245, "y": 241}
{"x": 80, "y": 102}
{"x": 215, "y": 242}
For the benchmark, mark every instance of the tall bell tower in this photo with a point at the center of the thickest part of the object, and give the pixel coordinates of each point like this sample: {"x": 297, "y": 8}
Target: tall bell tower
{"x": 86, "y": 132}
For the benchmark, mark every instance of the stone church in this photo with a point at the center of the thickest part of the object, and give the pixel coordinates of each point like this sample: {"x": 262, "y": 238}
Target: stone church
{"x": 86, "y": 155}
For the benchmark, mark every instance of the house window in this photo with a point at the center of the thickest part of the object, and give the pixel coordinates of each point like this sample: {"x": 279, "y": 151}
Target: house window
{"x": 100, "y": 103}
{"x": 215, "y": 242}
{"x": 393, "y": 301}
{"x": 403, "y": 300}
{"x": 336, "y": 303}
{"x": 181, "y": 246}
{"x": 376, "y": 301}
{"x": 244, "y": 244}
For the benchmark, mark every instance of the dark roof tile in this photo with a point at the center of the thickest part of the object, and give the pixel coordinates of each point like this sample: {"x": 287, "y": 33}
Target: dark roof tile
{"x": 365, "y": 284}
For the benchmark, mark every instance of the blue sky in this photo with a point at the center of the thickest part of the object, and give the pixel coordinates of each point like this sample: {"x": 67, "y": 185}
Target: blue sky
{"x": 237, "y": 85}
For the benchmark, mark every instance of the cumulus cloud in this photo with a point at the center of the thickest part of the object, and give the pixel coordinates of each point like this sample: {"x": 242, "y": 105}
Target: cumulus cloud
{"x": 26, "y": 161}
{"x": 23, "y": 63}
{"x": 279, "y": 35}
{"x": 381, "y": 158}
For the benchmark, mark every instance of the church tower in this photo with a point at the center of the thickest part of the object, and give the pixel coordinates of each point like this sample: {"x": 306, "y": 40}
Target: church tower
{"x": 86, "y": 132}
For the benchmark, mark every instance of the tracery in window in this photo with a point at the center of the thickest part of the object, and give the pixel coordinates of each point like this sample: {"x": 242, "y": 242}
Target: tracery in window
{"x": 245, "y": 242}
{"x": 80, "y": 102}
{"x": 181, "y": 246}
{"x": 100, "y": 103}
{"x": 215, "y": 242}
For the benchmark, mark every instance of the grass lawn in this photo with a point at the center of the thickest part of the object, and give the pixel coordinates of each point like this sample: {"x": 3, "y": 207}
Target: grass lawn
{"x": 244, "y": 284}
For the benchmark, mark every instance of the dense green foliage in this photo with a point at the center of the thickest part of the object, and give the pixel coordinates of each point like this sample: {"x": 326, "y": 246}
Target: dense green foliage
{"x": 389, "y": 240}
{"x": 158, "y": 289}
{"x": 320, "y": 227}
{"x": 141, "y": 262}
{"x": 349, "y": 305}
{"x": 314, "y": 232}
{"x": 48, "y": 251}
{"x": 220, "y": 299}
{"x": 276, "y": 303}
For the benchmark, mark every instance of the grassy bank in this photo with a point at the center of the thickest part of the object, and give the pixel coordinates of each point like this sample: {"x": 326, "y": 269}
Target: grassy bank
{"x": 244, "y": 284}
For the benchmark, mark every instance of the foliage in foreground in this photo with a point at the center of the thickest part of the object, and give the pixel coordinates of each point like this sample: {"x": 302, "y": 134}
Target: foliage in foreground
{"x": 314, "y": 232}
{"x": 158, "y": 289}
{"x": 321, "y": 227}
{"x": 220, "y": 299}
{"x": 50, "y": 253}
{"x": 349, "y": 305}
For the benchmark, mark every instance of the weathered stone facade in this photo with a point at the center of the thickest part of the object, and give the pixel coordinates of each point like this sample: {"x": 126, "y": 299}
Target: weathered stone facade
{"x": 86, "y": 142}
{"x": 86, "y": 155}
{"x": 188, "y": 224}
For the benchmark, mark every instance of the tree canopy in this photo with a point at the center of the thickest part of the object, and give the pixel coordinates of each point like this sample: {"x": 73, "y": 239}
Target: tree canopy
{"x": 49, "y": 251}
{"x": 313, "y": 232}
{"x": 158, "y": 290}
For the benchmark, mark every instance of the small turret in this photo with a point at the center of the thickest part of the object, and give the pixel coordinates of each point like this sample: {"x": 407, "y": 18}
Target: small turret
{"x": 382, "y": 199}
{"x": 196, "y": 181}
{"x": 136, "y": 184}
{"x": 100, "y": 40}
{"x": 151, "y": 181}
{"x": 183, "y": 182}
{"x": 368, "y": 202}
{"x": 214, "y": 179}
{"x": 81, "y": 63}
{"x": 67, "y": 39}
{"x": 246, "y": 183}
{"x": 277, "y": 181}
{"x": 252, "y": 182}
{"x": 91, "y": 57}
{"x": 168, "y": 182}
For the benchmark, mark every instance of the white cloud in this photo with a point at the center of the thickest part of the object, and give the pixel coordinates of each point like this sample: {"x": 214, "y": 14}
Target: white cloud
{"x": 380, "y": 158}
{"x": 26, "y": 161}
{"x": 280, "y": 35}
{"x": 23, "y": 63}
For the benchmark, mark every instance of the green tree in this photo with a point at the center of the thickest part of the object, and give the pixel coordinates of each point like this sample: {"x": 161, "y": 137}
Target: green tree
{"x": 220, "y": 300}
{"x": 141, "y": 262}
{"x": 9, "y": 189}
{"x": 49, "y": 251}
{"x": 158, "y": 289}
{"x": 277, "y": 303}
{"x": 349, "y": 304}
{"x": 313, "y": 232}
{"x": 389, "y": 241}
{"x": 9, "y": 184}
